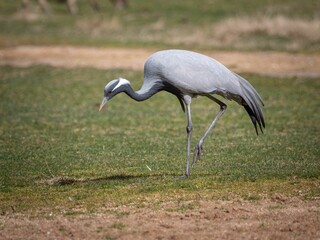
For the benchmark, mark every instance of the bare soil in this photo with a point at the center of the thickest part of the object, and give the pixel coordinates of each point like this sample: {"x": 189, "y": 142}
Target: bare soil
{"x": 265, "y": 219}
{"x": 275, "y": 218}
{"x": 266, "y": 63}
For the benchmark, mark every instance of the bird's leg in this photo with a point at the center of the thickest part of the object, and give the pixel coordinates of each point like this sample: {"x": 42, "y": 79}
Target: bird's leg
{"x": 187, "y": 100}
{"x": 199, "y": 147}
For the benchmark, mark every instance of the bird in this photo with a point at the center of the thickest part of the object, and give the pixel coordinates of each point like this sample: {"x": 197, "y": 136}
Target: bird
{"x": 187, "y": 74}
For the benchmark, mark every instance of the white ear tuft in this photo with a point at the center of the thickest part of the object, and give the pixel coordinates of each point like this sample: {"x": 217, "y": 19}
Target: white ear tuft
{"x": 121, "y": 82}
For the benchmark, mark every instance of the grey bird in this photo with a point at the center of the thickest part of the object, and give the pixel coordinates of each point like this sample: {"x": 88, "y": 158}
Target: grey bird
{"x": 187, "y": 75}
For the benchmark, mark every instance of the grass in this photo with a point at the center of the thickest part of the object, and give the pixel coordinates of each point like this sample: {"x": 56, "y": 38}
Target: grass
{"x": 206, "y": 24}
{"x": 58, "y": 153}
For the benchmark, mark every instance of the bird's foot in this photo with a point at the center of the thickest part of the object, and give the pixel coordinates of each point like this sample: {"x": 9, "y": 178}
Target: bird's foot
{"x": 186, "y": 175}
{"x": 197, "y": 153}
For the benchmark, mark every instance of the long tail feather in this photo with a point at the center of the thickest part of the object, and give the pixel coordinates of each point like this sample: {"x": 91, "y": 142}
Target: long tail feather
{"x": 251, "y": 101}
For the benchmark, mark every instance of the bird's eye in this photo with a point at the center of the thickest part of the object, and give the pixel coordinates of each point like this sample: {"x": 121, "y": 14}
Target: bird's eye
{"x": 110, "y": 91}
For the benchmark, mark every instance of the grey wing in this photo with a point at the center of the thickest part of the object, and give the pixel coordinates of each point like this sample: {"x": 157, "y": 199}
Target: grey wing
{"x": 191, "y": 72}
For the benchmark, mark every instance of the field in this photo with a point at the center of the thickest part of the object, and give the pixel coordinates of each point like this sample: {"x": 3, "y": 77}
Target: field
{"x": 289, "y": 25}
{"x": 68, "y": 171}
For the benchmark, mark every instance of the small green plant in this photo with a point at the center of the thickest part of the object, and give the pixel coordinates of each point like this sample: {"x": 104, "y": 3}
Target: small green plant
{"x": 109, "y": 237}
{"x": 99, "y": 229}
{"x": 118, "y": 225}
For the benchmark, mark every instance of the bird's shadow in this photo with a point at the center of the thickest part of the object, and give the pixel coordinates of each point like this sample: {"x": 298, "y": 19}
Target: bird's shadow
{"x": 62, "y": 181}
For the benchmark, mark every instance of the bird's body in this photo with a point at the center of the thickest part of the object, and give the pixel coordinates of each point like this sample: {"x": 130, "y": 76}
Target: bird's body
{"x": 183, "y": 70}
{"x": 188, "y": 74}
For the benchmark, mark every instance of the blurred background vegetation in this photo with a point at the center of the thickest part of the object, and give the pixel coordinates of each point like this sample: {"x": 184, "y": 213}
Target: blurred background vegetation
{"x": 290, "y": 25}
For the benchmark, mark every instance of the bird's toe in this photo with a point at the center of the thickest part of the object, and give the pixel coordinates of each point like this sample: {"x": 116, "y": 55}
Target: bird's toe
{"x": 197, "y": 153}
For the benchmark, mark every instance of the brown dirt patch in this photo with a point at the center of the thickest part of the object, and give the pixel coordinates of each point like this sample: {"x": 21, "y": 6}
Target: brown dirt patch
{"x": 266, "y": 219}
{"x": 266, "y": 63}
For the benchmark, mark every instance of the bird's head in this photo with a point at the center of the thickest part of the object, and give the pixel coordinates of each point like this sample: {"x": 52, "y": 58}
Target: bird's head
{"x": 113, "y": 88}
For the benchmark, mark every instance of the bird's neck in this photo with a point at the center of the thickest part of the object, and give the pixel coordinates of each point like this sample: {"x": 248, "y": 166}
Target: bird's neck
{"x": 143, "y": 93}
{"x": 149, "y": 88}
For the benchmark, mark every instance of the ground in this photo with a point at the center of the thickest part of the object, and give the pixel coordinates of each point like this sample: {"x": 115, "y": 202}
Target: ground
{"x": 278, "y": 217}
{"x": 275, "y": 218}
{"x": 267, "y": 63}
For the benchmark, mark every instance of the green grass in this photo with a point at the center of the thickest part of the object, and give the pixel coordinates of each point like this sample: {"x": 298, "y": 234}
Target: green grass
{"x": 165, "y": 24}
{"x": 59, "y": 153}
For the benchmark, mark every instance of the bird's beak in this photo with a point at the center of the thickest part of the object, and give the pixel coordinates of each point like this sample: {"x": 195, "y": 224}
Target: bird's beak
{"x": 104, "y": 101}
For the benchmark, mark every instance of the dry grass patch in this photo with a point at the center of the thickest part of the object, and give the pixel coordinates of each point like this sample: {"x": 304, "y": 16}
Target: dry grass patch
{"x": 301, "y": 32}
{"x": 262, "y": 32}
